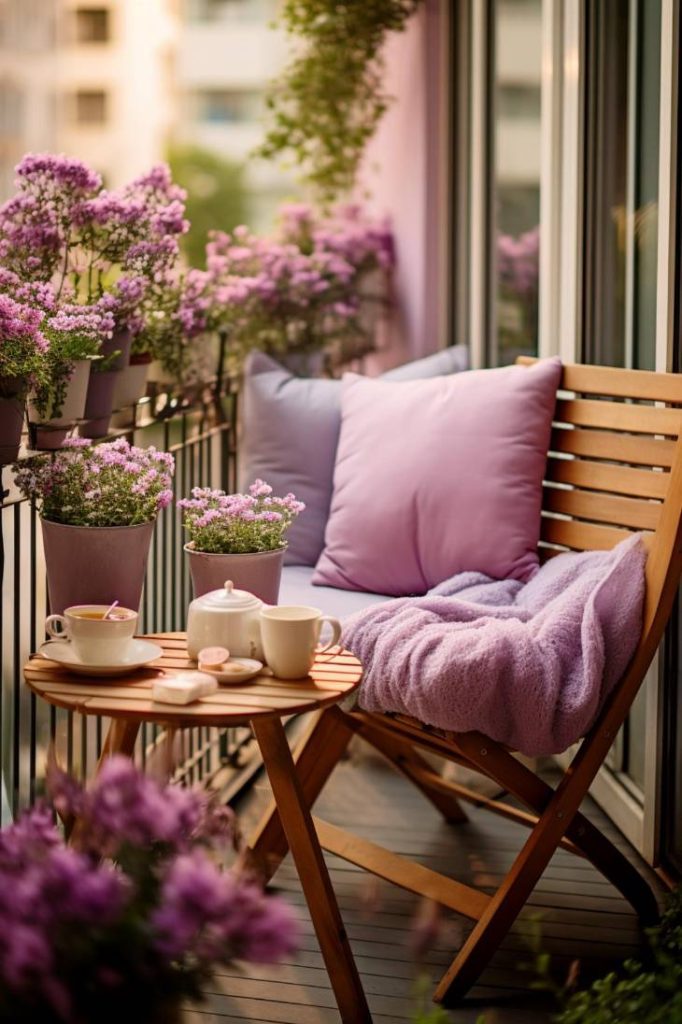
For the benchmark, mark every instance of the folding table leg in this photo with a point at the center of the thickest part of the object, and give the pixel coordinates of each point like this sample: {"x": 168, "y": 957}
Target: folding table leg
{"x": 312, "y": 870}
{"x": 120, "y": 739}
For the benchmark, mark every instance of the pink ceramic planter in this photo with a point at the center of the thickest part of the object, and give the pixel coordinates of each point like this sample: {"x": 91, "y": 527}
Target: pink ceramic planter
{"x": 11, "y": 424}
{"x": 99, "y": 403}
{"x": 95, "y": 564}
{"x": 259, "y": 572}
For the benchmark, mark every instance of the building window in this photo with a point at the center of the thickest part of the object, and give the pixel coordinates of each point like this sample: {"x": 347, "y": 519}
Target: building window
{"x": 228, "y": 106}
{"x": 90, "y": 107}
{"x": 230, "y": 10}
{"x": 91, "y": 25}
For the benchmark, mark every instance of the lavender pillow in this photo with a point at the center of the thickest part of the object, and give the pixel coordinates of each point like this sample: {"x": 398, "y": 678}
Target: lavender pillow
{"x": 437, "y": 477}
{"x": 290, "y": 429}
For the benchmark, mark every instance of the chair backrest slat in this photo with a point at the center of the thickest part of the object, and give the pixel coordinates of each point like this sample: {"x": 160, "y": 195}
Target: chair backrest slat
{"x": 631, "y": 449}
{"x": 603, "y": 476}
{"x": 640, "y": 419}
{"x": 604, "y": 508}
{"x": 580, "y": 536}
{"x": 613, "y": 382}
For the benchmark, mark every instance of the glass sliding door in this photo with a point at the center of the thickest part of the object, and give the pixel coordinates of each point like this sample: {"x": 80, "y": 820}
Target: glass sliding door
{"x": 622, "y": 87}
{"x": 516, "y": 26}
{"x": 621, "y": 181}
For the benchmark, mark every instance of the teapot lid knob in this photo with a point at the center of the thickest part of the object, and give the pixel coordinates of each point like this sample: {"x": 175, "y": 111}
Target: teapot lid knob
{"x": 229, "y": 586}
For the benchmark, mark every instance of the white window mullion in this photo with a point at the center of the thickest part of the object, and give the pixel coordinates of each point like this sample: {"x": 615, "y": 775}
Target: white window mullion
{"x": 481, "y": 157}
{"x": 551, "y": 177}
{"x": 572, "y": 178}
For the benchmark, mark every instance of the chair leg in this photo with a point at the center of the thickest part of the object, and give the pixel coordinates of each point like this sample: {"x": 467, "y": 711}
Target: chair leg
{"x": 503, "y": 909}
{"x": 415, "y": 768}
{"x": 316, "y": 756}
{"x": 600, "y": 851}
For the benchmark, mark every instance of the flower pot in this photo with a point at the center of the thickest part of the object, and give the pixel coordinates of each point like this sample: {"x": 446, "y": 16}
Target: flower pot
{"x": 99, "y": 403}
{"x": 159, "y": 375}
{"x": 49, "y": 432}
{"x": 120, "y": 342}
{"x": 258, "y": 572}
{"x": 95, "y": 564}
{"x": 130, "y": 385}
{"x": 11, "y": 424}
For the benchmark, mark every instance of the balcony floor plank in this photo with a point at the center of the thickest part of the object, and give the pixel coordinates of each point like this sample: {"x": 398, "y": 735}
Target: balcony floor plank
{"x": 578, "y": 913}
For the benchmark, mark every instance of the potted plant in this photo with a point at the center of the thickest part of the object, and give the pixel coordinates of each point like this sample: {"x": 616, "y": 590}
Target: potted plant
{"x": 178, "y": 311}
{"x": 339, "y": 52}
{"x": 302, "y": 294}
{"x": 98, "y": 506}
{"x": 133, "y": 917}
{"x": 97, "y": 249}
{"x": 238, "y": 537}
{"x": 76, "y": 334}
{"x": 23, "y": 350}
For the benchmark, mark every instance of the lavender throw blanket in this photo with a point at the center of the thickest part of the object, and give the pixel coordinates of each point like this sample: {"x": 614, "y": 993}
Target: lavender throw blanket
{"x": 527, "y": 664}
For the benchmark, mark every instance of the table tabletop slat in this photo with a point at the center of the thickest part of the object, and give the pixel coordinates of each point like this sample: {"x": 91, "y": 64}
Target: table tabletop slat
{"x": 334, "y": 675}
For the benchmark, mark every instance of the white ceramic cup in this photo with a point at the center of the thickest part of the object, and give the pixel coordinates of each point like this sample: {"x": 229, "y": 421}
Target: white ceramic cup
{"x": 96, "y": 641}
{"x": 291, "y": 634}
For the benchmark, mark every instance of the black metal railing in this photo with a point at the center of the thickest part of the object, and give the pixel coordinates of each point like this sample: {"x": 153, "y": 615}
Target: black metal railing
{"x": 202, "y": 437}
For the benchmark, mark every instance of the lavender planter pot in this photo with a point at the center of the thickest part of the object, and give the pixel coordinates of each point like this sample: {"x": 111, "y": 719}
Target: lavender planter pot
{"x": 95, "y": 564}
{"x": 48, "y": 434}
{"x": 11, "y": 423}
{"x": 259, "y": 573}
{"x": 120, "y": 342}
{"x": 99, "y": 403}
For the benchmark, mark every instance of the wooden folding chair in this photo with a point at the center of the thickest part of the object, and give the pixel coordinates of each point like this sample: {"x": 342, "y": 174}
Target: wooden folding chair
{"x": 616, "y": 456}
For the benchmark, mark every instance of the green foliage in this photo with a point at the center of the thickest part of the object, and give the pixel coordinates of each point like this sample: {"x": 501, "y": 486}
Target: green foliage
{"x": 66, "y": 349}
{"x": 645, "y": 993}
{"x": 330, "y": 98}
{"x": 217, "y": 198}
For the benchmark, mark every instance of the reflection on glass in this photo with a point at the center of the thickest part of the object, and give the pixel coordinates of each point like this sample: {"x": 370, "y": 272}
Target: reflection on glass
{"x": 623, "y": 83}
{"x": 622, "y": 183}
{"x": 516, "y": 184}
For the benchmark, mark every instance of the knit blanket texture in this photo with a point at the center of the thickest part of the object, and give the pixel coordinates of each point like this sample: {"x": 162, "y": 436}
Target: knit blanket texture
{"x": 529, "y": 665}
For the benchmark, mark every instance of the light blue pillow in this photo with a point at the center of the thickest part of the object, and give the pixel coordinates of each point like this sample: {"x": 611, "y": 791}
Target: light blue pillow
{"x": 290, "y": 430}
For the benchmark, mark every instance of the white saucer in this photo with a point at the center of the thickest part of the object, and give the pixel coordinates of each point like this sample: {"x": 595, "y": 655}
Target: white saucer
{"x": 137, "y": 654}
{"x": 250, "y": 668}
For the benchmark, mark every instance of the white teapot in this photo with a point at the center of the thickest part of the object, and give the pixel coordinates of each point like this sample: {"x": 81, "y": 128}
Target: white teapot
{"x": 226, "y": 618}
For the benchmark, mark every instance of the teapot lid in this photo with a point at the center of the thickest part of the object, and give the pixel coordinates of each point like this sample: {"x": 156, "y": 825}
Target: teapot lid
{"x": 229, "y": 599}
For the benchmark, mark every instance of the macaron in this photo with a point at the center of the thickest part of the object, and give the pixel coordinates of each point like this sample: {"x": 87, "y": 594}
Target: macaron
{"x": 213, "y": 657}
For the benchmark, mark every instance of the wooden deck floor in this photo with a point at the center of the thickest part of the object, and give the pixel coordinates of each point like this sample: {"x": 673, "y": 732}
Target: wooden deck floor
{"x": 580, "y": 915}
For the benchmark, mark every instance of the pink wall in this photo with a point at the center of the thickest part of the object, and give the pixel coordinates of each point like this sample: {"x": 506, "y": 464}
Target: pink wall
{"x": 401, "y": 173}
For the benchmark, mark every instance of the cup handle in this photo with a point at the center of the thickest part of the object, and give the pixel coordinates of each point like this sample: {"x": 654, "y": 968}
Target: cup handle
{"x": 336, "y": 632}
{"x": 51, "y": 622}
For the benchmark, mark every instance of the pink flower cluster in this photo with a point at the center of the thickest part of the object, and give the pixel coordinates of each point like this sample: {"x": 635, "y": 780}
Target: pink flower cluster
{"x": 238, "y": 523}
{"x": 139, "y": 906}
{"x": 113, "y": 484}
{"x": 62, "y": 228}
{"x": 23, "y": 346}
{"x": 518, "y": 262}
{"x": 299, "y": 289}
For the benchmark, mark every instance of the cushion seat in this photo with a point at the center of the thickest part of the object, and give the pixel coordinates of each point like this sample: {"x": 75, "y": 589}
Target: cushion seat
{"x": 296, "y": 588}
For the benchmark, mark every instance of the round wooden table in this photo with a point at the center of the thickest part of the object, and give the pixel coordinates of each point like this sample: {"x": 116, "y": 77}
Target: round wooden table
{"x": 261, "y": 702}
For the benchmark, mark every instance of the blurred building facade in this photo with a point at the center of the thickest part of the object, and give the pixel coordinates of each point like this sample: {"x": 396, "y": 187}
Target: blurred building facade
{"x": 228, "y": 52}
{"x": 114, "y": 82}
{"x": 92, "y": 79}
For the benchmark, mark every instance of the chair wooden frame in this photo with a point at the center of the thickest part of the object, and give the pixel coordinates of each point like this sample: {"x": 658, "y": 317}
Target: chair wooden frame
{"x": 614, "y": 465}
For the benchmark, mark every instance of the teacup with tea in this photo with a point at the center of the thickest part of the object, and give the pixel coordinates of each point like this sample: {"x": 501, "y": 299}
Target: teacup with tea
{"x": 98, "y": 633}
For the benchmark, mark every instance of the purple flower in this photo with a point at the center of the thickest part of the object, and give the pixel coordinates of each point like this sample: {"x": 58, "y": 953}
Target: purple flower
{"x": 219, "y": 916}
{"x": 43, "y": 170}
{"x": 113, "y": 484}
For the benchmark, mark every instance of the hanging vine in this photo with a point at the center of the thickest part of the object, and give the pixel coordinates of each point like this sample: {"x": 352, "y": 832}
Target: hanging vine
{"x": 327, "y": 103}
